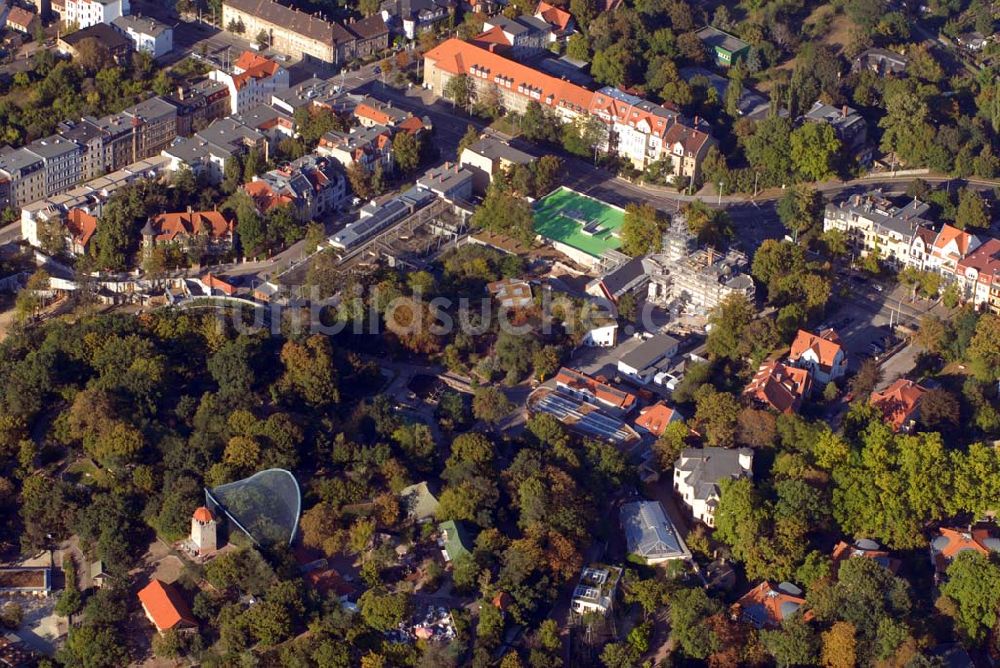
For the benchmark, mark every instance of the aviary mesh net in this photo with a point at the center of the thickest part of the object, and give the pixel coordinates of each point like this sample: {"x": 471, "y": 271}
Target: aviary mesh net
{"x": 266, "y": 506}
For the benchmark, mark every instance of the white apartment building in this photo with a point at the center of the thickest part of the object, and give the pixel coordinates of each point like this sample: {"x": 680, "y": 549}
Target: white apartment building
{"x": 698, "y": 473}
{"x": 252, "y": 82}
{"x": 85, "y": 13}
{"x": 873, "y": 223}
{"x": 146, "y": 34}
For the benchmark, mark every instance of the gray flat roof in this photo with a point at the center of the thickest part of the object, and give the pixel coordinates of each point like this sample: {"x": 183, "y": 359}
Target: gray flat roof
{"x": 492, "y": 148}
{"x": 650, "y": 534}
{"x": 649, "y": 351}
{"x": 716, "y": 38}
{"x": 143, "y": 25}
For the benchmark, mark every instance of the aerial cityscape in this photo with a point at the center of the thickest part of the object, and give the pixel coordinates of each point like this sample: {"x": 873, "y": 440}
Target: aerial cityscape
{"x": 499, "y": 333}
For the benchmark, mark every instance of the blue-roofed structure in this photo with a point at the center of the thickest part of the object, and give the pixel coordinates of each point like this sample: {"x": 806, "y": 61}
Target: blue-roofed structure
{"x": 650, "y": 534}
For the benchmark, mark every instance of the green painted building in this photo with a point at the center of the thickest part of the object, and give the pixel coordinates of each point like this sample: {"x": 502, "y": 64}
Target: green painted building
{"x": 456, "y": 539}
{"x": 727, "y": 49}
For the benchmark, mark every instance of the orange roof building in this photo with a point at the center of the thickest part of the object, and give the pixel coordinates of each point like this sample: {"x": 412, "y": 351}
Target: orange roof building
{"x": 950, "y": 542}
{"x": 822, "y": 354}
{"x": 560, "y": 20}
{"x": 655, "y": 418}
{"x": 951, "y": 245}
{"x": 582, "y": 386}
{"x": 81, "y": 227}
{"x": 185, "y": 226}
{"x": 165, "y": 607}
{"x": 252, "y": 81}
{"x": 767, "y": 606}
{"x": 866, "y": 548}
{"x": 900, "y": 403}
{"x": 780, "y": 386}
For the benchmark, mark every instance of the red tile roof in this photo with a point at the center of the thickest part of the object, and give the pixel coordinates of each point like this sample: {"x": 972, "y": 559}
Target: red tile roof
{"x": 608, "y": 394}
{"x": 780, "y": 386}
{"x": 203, "y": 514}
{"x": 963, "y": 240}
{"x": 81, "y": 225}
{"x": 253, "y": 66}
{"x": 843, "y": 551}
{"x": 457, "y": 57}
{"x": 364, "y": 110}
{"x": 170, "y": 226}
{"x": 633, "y": 112}
{"x": 20, "y": 17}
{"x": 412, "y": 125}
{"x": 554, "y": 16}
{"x": 494, "y": 37}
{"x": 985, "y": 260}
{"x": 768, "y": 606}
{"x": 264, "y": 196}
{"x": 824, "y": 345}
{"x": 655, "y": 418}
{"x": 165, "y": 606}
{"x": 899, "y": 402}
{"x": 691, "y": 140}
{"x": 217, "y": 283}
{"x": 950, "y": 542}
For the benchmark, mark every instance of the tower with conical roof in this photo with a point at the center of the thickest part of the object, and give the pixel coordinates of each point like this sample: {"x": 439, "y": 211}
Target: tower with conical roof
{"x": 203, "y": 531}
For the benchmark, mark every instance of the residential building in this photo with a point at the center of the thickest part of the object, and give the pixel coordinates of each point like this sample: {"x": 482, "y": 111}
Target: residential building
{"x": 489, "y": 157}
{"x": 900, "y": 404}
{"x": 376, "y": 218}
{"x": 515, "y": 38}
{"x": 412, "y": 17}
{"x": 456, "y": 539}
{"x": 273, "y": 123}
{"x": 291, "y": 31}
{"x": 725, "y": 48}
{"x": 312, "y": 185}
{"x": 780, "y": 386}
{"x": 163, "y": 604}
{"x": 766, "y": 606}
{"x": 85, "y": 13}
{"x": 561, "y": 22}
{"x": 849, "y": 126}
{"x": 117, "y": 44}
{"x": 315, "y": 93}
{"x": 371, "y": 35}
{"x": 655, "y": 418}
{"x": 873, "y": 223}
{"x": 595, "y": 390}
{"x": 418, "y": 502}
{"x": 950, "y": 245}
{"x": 213, "y": 230}
{"x": 822, "y": 354}
{"x": 978, "y": 276}
{"x": 698, "y": 473}
{"x": 649, "y": 533}
{"x": 972, "y": 41}
{"x": 451, "y": 182}
{"x": 22, "y": 178}
{"x": 950, "y": 542}
{"x": 637, "y": 128}
{"x": 643, "y": 363}
{"x": 621, "y": 275}
{"x": 511, "y": 293}
{"x": 80, "y": 227}
{"x": 22, "y": 20}
{"x": 252, "y": 82}
{"x": 199, "y": 104}
{"x": 864, "y": 548}
{"x": 881, "y": 61}
{"x": 370, "y": 112}
{"x": 147, "y": 34}
{"x": 365, "y": 146}
{"x": 206, "y": 152}
{"x": 596, "y": 590}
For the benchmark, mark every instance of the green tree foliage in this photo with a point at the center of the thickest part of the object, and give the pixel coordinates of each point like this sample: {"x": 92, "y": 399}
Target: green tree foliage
{"x": 814, "y": 149}
{"x": 799, "y": 209}
{"x": 769, "y": 150}
{"x": 406, "y": 152}
{"x": 383, "y": 611}
{"x": 504, "y": 213}
{"x": 689, "y": 608}
{"x": 972, "y": 214}
{"x": 974, "y": 585}
{"x": 794, "y": 644}
{"x": 729, "y": 322}
{"x": 711, "y": 226}
{"x": 642, "y": 230}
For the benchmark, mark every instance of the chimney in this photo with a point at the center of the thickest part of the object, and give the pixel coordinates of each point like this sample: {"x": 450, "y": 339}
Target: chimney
{"x": 844, "y": 111}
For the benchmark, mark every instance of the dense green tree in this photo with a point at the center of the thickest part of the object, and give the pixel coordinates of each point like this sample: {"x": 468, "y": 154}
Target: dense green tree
{"x": 688, "y": 610}
{"x": 974, "y": 584}
{"x": 814, "y": 148}
{"x": 972, "y": 214}
{"x": 642, "y": 230}
{"x": 406, "y": 152}
{"x": 729, "y": 321}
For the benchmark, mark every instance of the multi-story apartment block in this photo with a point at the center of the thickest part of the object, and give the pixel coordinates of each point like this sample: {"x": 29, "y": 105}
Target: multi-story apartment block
{"x": 978, "y": 275}
{"x": 91, "y": 141}
{"x": 205, "y": 153}
{"x": 874, "y": 224}
{"x": 252, "y": 82}
{"x": 637, "y": 130}
{"x": 22, "y": 178}
{"x": 371, "y": 35}
{"x": 62, "y": 160}
{"x": 199, "y": 104}
{"x": 85, "y": 13}
{"x": 290, "y": 31}
{"x": 146, "y": 34}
